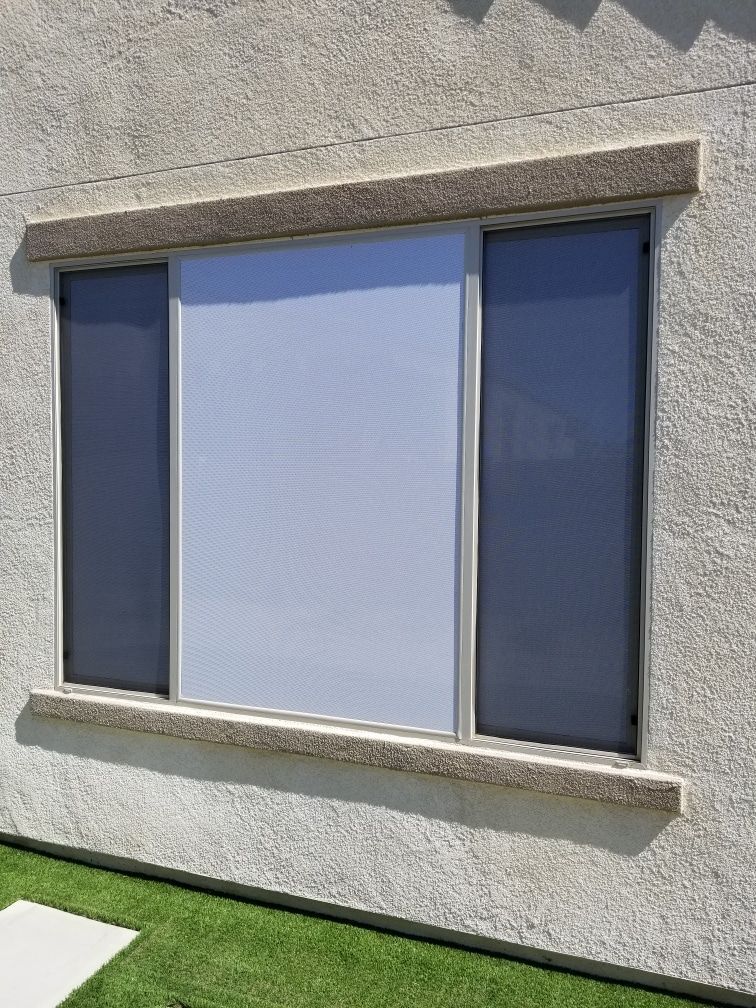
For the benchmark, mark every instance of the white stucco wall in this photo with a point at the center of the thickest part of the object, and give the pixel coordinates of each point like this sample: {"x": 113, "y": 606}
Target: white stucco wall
{"x": 114, "y": 105}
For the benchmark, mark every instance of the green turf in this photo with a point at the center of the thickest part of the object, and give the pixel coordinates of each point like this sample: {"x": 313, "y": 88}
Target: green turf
{"x": 203, "y": 951}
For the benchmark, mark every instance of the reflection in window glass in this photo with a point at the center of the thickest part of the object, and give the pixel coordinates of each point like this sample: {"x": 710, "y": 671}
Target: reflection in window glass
{"x": 561, "y": 482}
{"x": 115, "y": 474}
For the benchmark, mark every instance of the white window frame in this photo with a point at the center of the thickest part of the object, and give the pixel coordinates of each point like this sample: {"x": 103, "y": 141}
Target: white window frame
{"x": 474, "y": 230}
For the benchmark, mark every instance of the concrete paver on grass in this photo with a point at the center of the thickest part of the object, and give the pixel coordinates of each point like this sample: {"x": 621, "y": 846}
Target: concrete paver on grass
{"x": 45, "y": 954}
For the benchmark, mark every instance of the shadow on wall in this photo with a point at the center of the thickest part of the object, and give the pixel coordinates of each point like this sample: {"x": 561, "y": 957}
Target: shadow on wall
{"x": 625, "y": 831}
{"x": 678, "y": 21}
{"x": 473, "y": 10}
{"x": 26, "y": 277}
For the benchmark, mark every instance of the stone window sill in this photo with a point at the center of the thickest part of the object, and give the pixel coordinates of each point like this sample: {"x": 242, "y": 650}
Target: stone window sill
{"x": 580, "y": 178}
{"x": 629, "y": 785}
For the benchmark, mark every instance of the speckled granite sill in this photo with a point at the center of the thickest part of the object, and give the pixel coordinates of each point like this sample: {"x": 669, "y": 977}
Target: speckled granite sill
{"x": 572, "y": 179}
{"x": 629, "y": 786}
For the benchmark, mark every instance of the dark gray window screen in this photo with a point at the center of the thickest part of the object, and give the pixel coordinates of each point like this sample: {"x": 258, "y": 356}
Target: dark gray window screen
{"x": 563, "y": 419}
{"x": 115, "y": 476}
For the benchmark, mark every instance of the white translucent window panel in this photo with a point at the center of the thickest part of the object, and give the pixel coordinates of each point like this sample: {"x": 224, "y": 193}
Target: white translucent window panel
{"x": 320, "y": 438}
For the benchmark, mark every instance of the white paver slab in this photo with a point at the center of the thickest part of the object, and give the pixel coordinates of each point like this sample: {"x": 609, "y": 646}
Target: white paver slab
{"x": 46, "y": 953}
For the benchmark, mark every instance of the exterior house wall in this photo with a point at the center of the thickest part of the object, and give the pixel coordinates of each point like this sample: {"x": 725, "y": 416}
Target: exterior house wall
{"x": 112, "y": 106}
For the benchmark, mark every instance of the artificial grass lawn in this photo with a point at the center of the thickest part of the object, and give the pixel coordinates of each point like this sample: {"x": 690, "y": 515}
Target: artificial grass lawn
{"x": 196, "y": 950}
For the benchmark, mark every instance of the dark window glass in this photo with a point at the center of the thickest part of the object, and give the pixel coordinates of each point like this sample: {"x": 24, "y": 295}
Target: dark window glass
{"x": 115, "y": 472}
{"x": 561, "y": 482}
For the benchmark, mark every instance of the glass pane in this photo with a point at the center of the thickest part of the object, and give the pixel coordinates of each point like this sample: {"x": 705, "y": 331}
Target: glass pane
{"x": 115, "y": 467}
{"x": 561, "y": 482}
{"x": 320, "y": 461}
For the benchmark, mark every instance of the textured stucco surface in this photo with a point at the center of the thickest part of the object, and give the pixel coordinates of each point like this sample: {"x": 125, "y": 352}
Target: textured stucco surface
{"x": 603, "y": 882}
{"x": 598, "y": 176}
{"x": 622, "y": 786}
{"x": 109, "y": 88}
